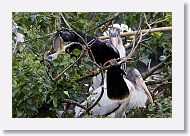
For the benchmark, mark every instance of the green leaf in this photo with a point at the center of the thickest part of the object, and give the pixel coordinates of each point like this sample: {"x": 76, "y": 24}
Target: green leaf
{"x": 66, "y": 92}
{"x": 55, "y": 102}
{"x": 76, "y": 52}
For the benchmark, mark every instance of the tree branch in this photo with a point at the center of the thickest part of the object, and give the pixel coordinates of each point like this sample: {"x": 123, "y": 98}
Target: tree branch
{"x": 75, "y": 103}
{"x": 159, "y": 86}
{"x": 101, "y": 94}
{"x": 111, "y": 19}
{"x": 66, "y": 22}
{"x": 81, "y": 55}
{"x": 145, "y": 75}
{"x": 161, "y": 29}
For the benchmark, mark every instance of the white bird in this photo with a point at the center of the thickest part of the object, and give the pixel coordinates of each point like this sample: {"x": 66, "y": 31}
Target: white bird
{"x": 138, "y": 92}
{"x": 137, "y": 97}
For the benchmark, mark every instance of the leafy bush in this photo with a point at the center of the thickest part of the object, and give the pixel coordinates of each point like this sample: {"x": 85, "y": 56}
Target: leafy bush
{"x": 35, "y": 94}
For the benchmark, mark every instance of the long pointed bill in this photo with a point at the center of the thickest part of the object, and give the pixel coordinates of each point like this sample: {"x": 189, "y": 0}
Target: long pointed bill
{"x": 140, "y": 83}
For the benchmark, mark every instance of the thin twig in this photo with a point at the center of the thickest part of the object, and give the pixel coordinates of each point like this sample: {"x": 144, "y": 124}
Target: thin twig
{"x": 101, "y": 94}
{"x": 111, "y": 19}
{"x": 159, "y": 21}
{"x": 153, "y": 82}
{"x": 74, "y": 102}
{"x": 149, "y": 26}
{"x": 93, "y": 73}
{"x": 161, "y": 85}
{"x": 148, "y": 48}
{"x": 145, "y": 75}
{"x": 66, "y": 22}
{"x": 67, "y": 68}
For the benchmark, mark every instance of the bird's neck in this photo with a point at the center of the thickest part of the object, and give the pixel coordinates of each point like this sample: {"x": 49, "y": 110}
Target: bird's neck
{"x": 120, "y": 48}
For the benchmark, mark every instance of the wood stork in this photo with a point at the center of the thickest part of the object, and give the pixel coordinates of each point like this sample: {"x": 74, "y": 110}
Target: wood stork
{"x": 116, "y": 107}
{"x": 121, "y": 91}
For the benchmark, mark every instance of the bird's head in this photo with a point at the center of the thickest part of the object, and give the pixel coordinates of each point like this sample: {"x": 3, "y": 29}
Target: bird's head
{"x": 136, "y": 79}
{"x": 114, "y": 35}
{"x": 67, "y": 34}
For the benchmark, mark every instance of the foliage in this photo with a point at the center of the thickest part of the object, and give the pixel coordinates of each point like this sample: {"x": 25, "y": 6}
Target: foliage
{"x": 34, "y": 94}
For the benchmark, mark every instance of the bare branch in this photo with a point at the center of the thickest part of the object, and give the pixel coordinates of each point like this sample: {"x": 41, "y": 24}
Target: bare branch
{"x": 160, "y": 86}
{"x": 153, "y": 82}
{"x": 75, "y": 103}
{"x": 93, "y": 73}
{"x": 111, "y": 19}
{"x": 159, "y": 21}
{"x": 149, "y": 26}
{"x": 67, "y": 68}
{"x": 161, "y": 29}
{"x": 148, "y": 48}
{"x": 145, "y": 75}
{"x": 101, "y": 94}
{"x": 66, "y": 22}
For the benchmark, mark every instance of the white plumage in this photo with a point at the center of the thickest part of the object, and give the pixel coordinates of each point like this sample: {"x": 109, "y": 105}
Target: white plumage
{"x": 136, "y": 99}
{"x": 116, "y": 108}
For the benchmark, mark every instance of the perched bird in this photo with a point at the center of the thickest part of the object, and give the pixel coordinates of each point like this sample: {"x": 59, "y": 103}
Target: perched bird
{"x": 122, "y": 90}
{"x": 116, "y": 107}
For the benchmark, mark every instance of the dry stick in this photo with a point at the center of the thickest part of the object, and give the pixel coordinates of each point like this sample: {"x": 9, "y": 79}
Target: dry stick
{"x": 94, "y": 73}
{"x": 134, "y": 47}
{"x": 106, "y": 66}
{"x": 146, "y": 46}
{"x": 159, "y": 21}
{"x": 66, "y": 22}
{"x": 75, "y": 103}
{"x": 145, "y": 75}
{"x": 97, "y": 100}
{"x": 153, "y": 82}
{"x": 111, "y": 19}
{"x": 161, "y": 85}
{"x": 101, "y": 94}
{"x": 67, "y": 68}
{"x": 161, "y": 29}
{"x": 149, "y": 26}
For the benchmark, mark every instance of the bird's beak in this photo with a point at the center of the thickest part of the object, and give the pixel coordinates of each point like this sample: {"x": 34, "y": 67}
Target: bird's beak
{"x": 143, "y": 86}
{"x": 58, "y": 43}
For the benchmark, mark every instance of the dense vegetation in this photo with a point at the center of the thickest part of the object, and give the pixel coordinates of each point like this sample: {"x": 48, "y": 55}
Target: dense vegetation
{"x": 36, "y": 94}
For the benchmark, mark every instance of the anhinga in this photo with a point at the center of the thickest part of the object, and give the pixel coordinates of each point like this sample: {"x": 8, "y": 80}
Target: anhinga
{"x": 122, "y": 90}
